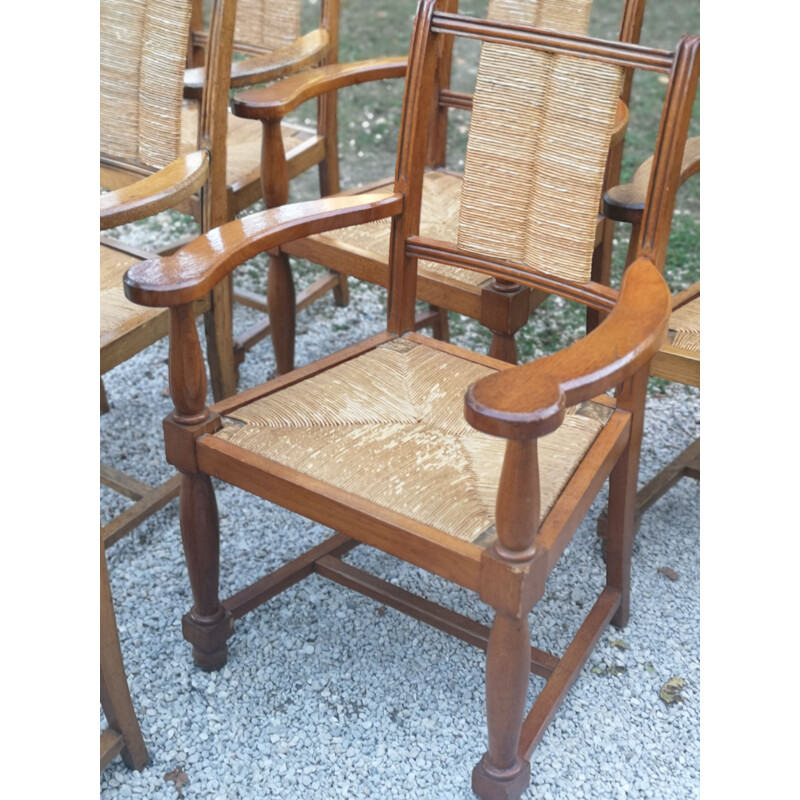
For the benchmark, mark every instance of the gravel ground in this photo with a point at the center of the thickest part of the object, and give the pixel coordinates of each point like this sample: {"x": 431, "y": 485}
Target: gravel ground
{"x": 329, "y": 695}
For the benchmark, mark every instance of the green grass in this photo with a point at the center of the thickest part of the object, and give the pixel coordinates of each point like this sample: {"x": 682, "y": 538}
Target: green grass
{"x": 369, "y": 120}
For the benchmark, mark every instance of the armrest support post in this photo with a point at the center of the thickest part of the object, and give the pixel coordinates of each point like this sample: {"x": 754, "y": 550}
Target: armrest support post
{"x": 187, "y": 374}
{"x": 274, "y": 170}
{"x": 518, "y": 501}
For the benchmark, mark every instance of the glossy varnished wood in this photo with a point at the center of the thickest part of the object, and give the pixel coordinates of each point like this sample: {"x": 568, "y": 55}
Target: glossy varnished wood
{"x": 274, "y": 102}
{"x": 307, "y": 51}
{"x": 155, "y": 193}
{"x": 192, "y": 272}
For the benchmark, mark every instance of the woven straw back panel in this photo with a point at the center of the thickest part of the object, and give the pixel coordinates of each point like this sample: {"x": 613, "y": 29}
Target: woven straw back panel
{"x": 539, "y": 137}
{"x": 271, "y": 24}
{"x": 389, "y": 427}
{"x": 567, "y": 16}
{"x": 142, "y": 59}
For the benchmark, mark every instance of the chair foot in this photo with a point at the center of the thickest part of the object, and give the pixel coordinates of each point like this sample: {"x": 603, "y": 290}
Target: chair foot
{"x": 209, "y": 638}
{"x": 493, "y": 784}
{"x": 621, "y": 618}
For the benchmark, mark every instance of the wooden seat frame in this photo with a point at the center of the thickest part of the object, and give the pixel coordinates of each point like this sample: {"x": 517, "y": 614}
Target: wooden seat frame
{"x": 519, "y": 404}
{"x": 503, "y": 306}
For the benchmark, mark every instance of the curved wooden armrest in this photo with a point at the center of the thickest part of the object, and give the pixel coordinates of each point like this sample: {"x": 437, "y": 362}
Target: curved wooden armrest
{"x": 158, "y": 192}
{"x": 305, "y": 52}
{"x": 625, "y": 203}
{"x": 195, "y": 269}
{"x": 529, "y": 401}
{"x": 274, "y": 102}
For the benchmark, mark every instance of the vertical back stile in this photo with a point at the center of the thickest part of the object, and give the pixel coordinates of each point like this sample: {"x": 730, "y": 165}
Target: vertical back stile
{"x": 412, "y": 148}
{"x": 672, "y": 133}
{"x": 212, "y": 130}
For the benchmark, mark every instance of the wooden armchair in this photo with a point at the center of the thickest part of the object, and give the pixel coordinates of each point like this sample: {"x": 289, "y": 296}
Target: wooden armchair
{"x": 458, "y": 463}
{"x": 269, "y": 44}
{"x": 149, "y": 166}
{"x": 140, "y": 98}
{"x": 678, "y": 358}
{"x": 362, "y": 251}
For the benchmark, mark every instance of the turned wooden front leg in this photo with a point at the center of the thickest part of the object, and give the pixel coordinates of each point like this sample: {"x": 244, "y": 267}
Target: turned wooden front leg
{"x": 622, "y": 484}
{"x": 501, "y": 774}
{"x": 207, "y": 626}
{"x": 280, "y": 284}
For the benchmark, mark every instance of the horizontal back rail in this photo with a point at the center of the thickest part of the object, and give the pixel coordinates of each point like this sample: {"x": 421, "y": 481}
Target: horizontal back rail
{"x": 591, "y": 294}
{"x": 620, "y": 53}
{"x": 450, "y": 99}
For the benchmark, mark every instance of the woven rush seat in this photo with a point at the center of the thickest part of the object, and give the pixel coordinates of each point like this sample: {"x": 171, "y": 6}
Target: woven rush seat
{"x": 404, "y": 444}
{"x": 684, "y": 327}
{"x": 679, "y": 356}
{"x": 120, "y": 320}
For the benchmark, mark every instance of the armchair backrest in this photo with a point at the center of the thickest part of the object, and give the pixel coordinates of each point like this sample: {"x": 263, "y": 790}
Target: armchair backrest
{"x": 142, "y": 57}
{"x": 267, "y": 27}
{"x": 142, "y": 66}
{"x": 542, "y": 118}
{"x": 539, "y": 136}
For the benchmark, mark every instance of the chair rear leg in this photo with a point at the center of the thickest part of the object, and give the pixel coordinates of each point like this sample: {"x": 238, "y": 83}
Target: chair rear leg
{"x": 219, "y": 341}
{"x": 504, "y": 347}
{"x": 115, "y": 697}
{"x": 329, "y": 174}
{"x": 341, "y": 292}
{"x": 104, "y": 406}
{"x": 621, "y": 526}
{"x": 208, "y": 625}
